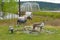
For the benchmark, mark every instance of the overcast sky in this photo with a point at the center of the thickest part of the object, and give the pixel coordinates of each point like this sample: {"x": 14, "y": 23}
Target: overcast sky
{"x": 53, "y": 1}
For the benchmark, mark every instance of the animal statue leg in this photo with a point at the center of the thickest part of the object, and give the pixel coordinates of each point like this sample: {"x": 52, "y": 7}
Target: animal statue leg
{"x": 18, "y": 23}
{"x": 34, "y": 26}
{"x": 30, "y": 18}
{"x": 40, "y": 28}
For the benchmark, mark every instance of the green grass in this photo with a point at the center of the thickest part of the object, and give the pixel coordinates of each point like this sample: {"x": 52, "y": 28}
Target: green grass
{"x": 48, "y": 14}
{"x": 5, "y": 35}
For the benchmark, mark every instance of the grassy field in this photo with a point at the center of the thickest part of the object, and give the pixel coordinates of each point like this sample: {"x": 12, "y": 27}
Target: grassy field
{"x": 6, "y": 35}
{"x": 48, "y": 14}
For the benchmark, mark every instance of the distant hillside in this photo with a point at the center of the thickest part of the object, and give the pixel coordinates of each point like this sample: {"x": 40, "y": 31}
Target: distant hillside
{"x": 47, "y": 5}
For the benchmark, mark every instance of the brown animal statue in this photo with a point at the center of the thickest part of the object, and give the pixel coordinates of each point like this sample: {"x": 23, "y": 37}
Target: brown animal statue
{"x": 40, "y": 25}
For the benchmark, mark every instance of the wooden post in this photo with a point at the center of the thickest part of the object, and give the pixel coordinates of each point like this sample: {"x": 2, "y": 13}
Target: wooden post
{"x": 2, "y": 4}
{"x": 19, "y": 9}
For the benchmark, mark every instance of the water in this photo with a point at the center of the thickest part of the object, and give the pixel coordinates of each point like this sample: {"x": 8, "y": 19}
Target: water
{"x": 9, "y": 16}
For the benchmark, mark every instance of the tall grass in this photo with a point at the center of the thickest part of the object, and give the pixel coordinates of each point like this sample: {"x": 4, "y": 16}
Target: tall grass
{"x": 48, "y": 14}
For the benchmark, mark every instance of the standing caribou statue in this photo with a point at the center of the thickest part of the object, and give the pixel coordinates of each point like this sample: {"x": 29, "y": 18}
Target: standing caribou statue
{"x": 23, "y": 19}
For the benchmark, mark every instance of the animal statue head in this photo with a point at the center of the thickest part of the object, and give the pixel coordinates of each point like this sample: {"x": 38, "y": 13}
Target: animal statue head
{"x": 28, "y": 17}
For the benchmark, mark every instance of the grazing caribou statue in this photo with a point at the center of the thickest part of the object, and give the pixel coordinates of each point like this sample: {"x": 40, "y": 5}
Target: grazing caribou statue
{"x": 40, "y": 25}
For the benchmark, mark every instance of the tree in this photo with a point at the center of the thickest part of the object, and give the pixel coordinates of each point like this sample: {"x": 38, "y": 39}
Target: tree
{"x": 0, "y": 4}
{"x": 11, "y": 6}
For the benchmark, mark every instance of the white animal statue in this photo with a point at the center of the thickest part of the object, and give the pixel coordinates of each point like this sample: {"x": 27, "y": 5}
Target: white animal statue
{"x": 29, "y": 15}
{"x": 23, "y": 19}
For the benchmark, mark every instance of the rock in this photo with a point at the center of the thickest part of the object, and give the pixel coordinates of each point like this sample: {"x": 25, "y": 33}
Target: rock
{"x": 1, "y": 18}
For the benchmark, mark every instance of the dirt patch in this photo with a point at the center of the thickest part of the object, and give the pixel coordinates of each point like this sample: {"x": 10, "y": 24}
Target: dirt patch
{"x": 54, "y": 22}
